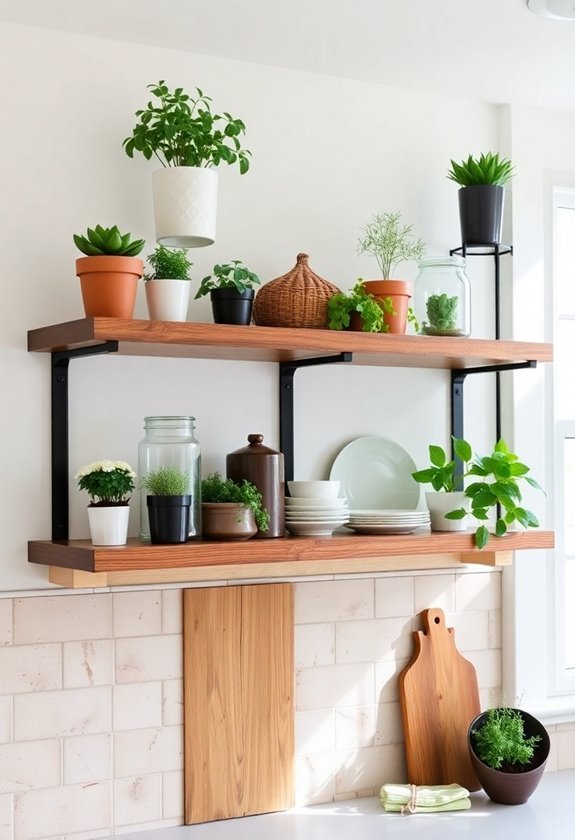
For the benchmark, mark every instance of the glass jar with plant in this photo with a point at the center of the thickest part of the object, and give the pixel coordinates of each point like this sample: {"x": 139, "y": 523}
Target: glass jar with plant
{"x": 189, "y": 140}
{"x": 442, "y": 296}
{"x": 168, "y": 500}
{"x": 231, "y": 510}
{"x": 231, "y": 291}
{"x": 481, "y": 197}
{"x": 167, "y": 284}
{"x": 109, "y": 484}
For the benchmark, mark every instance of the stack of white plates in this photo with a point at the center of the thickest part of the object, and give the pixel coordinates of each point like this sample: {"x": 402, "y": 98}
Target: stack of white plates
{"x": 388, "y": 521}
{"x": 315, "y": 517}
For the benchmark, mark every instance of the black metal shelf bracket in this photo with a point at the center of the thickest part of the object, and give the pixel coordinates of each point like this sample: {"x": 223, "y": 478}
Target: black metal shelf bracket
{"x": 59, "y": 431}
{"x": 286, "y": 402}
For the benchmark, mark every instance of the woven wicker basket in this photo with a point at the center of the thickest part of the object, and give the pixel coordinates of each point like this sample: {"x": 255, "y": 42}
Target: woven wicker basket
{"x": 297, "y": 299}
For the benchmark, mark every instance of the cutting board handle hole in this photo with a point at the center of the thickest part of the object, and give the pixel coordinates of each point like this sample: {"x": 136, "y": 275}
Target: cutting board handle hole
{"x": 437, "y": 620}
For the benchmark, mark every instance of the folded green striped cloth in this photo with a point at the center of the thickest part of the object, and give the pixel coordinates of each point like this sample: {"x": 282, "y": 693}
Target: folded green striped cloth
{"x": 424, "y": 799}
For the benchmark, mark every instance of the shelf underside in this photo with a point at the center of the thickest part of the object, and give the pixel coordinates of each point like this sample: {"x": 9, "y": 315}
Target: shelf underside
{"x": 276, "y": 344}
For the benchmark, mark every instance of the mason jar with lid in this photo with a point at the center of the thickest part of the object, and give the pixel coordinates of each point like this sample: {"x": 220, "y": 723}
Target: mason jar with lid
{"x": 170, "y": 442}
{"x": 442, "y": 297}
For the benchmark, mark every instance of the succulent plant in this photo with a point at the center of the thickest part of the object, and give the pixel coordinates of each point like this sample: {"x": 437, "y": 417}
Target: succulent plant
{"x": 487, "y": 169}
{"x": 108, "y": 241}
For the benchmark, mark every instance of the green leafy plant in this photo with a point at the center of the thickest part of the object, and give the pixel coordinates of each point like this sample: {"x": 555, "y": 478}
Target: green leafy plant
{"x": 390, "y": 242}
{"x": 500, "y": 741}
{"x": 101, "y": 241}
{"x": 169, "y": 264}
{"x": 167, "y": 481}
{"x": 441, "y": 474}
{"x": 229, "y": 275}
{"x": 181, "y": 130}
{"x": 218, "y": 489}
{"x": 341, "y": 306}
{"x": 489, "y": 168}
{"x": 442, "y": 314}
{"x": 107, "y": 482}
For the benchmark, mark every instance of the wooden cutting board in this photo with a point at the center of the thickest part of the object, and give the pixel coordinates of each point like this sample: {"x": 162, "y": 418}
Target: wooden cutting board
{"x": 439, "y": 699}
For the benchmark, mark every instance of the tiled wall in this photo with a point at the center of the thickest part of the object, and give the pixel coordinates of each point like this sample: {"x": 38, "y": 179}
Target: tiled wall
{"x": 91, "y": 697}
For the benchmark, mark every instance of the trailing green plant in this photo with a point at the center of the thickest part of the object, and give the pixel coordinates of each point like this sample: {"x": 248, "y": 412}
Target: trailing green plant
{"x": 169, "y": 264}
{"x": 218, "y": 489}
{"x": 227, "y": 276}
{"x": 489, "y": 168}
{"x": 107, "y": 482}
{"x": 442, "y": 314}
{"x": 390, "y": 242}
{"x": 501, "y": 742}
{"x": 167, "y": 481}
{"x": 181, "y": 130}
{"x": 441, "y": 474}
{"x": 341, "y": 306}
{"x": 101, "y": 241}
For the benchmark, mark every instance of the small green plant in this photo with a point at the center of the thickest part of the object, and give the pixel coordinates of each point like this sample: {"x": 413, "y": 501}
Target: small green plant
{"x": 101, "y": 241}
{"x": 390, "y": 242}
{"x": 181, "y": 130}
{"x": 489, "y": 168}
{"x": 227, "y": 276}
{"x": 442, "y": 314}
{"x": 500, "y": 741}
{"x": 167, "y": 481}
{"x": 341, "y": 306}
{"x": 218, "y": 489}
{"x": 107, "y": 482}
{"x": 169, "y": 264}
{"x": 441, "y": 474}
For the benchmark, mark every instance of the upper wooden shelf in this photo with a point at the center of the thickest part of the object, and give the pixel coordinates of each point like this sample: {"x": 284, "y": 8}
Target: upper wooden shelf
{"x": 279, "y": 344}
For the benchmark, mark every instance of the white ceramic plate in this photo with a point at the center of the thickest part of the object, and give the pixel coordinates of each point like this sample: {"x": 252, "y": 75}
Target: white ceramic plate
{"x": 394, "y": 514}
{"x": 311, "y": 529}
{"x": 316, "y": 517}
{"x": 312, "y": 504}
{"x": 376, "y": 473}
{"x": 383, "y": 529}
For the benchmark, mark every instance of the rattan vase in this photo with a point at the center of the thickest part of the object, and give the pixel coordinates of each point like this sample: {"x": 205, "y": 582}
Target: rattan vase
{"x": 297, "y": 299}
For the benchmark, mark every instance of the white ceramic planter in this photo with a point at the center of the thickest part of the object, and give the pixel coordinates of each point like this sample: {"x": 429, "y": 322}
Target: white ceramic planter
{"x": 185, "y": 206}
{"x": 109, "y": 525}
{"x": 441, "y": 503}
{"x": 167, "y": 300}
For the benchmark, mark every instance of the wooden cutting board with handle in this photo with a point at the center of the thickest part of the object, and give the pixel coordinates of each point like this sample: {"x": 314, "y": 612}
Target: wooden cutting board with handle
{"x": 439, "y": 699}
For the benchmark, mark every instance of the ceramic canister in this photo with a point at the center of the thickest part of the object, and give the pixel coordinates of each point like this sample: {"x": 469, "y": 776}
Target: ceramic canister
{"x": 264, "y": 467}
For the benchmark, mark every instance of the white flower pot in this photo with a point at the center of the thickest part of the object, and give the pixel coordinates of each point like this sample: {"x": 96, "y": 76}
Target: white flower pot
{"x": 167, "y": 300}
{"x": 441, "y": 503}
{"x": 109, "y": 525}
{"x": 185, "y": 205}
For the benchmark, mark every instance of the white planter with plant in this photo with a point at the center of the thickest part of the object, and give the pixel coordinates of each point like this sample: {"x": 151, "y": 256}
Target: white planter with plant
{"x": 168, "y": 285}
{"x": 109, "y": 484}
{"x": 189, "y": 141}
{"x": 447, "y": 493}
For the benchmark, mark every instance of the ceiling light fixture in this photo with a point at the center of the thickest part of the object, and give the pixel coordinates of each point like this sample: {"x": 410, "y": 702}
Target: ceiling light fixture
{"x": 557, "y": 9}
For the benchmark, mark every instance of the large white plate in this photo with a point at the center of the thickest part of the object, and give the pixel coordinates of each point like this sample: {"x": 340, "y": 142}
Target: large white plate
{"x": 311, "y": 529}
{"x": 383, "y": 529}
{"x": 376, "y": 473}
{"x": 319, "y": 516}
{"x": 312, "y": 504}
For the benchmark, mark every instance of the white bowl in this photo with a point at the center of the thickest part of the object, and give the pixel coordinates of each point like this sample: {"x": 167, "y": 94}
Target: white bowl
{"x": 314, "y": 489}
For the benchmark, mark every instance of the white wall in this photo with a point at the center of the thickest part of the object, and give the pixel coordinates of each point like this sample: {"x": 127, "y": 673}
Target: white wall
{"x": 327, "y": 154}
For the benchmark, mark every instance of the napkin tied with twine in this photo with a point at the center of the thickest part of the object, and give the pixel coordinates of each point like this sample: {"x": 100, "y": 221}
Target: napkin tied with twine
{"x": 424, "y": 799}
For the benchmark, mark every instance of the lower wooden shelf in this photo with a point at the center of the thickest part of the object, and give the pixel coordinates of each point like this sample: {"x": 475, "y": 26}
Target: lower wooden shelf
{"x": 77, "y": 563}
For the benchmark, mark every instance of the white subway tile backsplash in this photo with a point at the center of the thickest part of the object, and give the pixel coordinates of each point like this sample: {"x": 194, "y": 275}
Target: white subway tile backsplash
{"x": 369, "y": 769}
{"x": 495, "y": 629}
{"x": 137, "y": 705}
{"x": 173, "y": 795}
{"x": 488, "y": 667}
{"x": 5, "y": 621}
{"x": 315, "y": 778}
{"x": 337, "y": 600}
{"x": 394, "y": 597}
{"x": 62, "y": 618}
{"x": 137, "y": 799}
{"x": 87, "y": 758}
{"x": 314, "y": 645}
{"x": 55, "y": 713}
{"x": 63, "y": 810}
{"x": 172, "y": 601}
{"x": 387, "y": 680}
{"x": 29, "y": 765}
{"x": 434, "y": 591}
{"x": 172, "y": 702}
{"x": 373, "y": 641}
{"x": 315, "y": 731}
{"x": 478, "y": 591}
{"x": 145, "y": 751}
{"x": 30, "y": 668}
{"x": 6, "y": 814}
{"x": 137, "y": 613}
{"x": 148, "y": 658}
{"x": 355, "y": 727}
{"x": 333, "y": 686}
{"x": 389, "y": 728}
{"x": 5, "y": 719}
{"x": 88, "y": 663}
{"x": 470, "y": 630}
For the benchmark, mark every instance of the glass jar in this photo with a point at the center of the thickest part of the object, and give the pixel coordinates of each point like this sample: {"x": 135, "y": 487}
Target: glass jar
{"x": 170, "y": 442}
{"x": 442, "y": 297}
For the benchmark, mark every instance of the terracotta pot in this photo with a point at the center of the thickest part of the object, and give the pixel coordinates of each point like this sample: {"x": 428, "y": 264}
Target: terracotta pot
{"x": 400, "y": 292}
{"x": 227, "y": 521}
{"x": 109, "y": 285}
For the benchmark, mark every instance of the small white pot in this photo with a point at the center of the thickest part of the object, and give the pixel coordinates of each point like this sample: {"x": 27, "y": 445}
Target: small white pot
{"x": 109, "y": 525}
{"x": 441, "y": 503}
{"x": 185, "y": 205}
{"x": 167, "y": 300}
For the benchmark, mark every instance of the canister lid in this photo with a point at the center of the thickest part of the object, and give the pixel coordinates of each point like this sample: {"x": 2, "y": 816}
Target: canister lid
{"x": 255, "y": 447}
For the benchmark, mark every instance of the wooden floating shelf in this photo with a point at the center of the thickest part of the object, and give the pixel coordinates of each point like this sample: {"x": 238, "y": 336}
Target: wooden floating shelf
{"x": 79, "y": 563}
{"x": 277, "y": 344}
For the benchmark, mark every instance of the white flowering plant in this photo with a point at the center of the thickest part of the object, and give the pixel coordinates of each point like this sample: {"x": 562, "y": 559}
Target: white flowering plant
{"x": 107, "y": 482}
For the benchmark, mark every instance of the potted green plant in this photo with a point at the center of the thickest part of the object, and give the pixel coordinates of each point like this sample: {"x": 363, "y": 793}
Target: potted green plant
{"x": 447, "y": 484}
{"x": 441, "y": 315}
{"x": 231, "y": 290}
{"x": 358, "y": 309}
{"x": 109, "y": 271}
{"x": 231, "y": 510}
{"x": 168, "y": 500}
{"x": 481, "y": 197}
{"x": 190, "y": 141}
{"x": 167, "y": 284}
{"x": 391, "y": 243}
{"x": 508, "y": 749}
{"x": 109, "y": 484}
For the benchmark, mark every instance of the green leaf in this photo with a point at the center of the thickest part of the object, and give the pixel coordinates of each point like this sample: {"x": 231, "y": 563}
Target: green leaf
{"x": 459, "y": 513}
{"x": 500, "y": 527}
{"x": 462, "y": 449}
{"x": 481, "y": 537}
{"x": 437, "y": 455}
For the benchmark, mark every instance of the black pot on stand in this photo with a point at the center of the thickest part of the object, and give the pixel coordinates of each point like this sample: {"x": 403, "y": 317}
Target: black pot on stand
{"x": 481, "y": 214}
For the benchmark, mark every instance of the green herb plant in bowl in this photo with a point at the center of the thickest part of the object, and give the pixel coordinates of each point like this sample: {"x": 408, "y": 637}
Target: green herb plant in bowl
{"x": 167, "y": 284}
{"x": 231, "y": 510}
{"x": 231, "y": 291}
{"x": 168, "y": 501}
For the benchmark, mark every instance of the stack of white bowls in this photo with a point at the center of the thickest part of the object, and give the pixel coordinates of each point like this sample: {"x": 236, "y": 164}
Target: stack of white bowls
{"x": 315, "y": 508}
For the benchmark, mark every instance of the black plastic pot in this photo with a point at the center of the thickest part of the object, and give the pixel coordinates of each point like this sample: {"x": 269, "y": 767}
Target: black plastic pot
{"x": 481, "y": 214}
{"x": 232, "y": 307}
{"x": 169, "y": 518}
